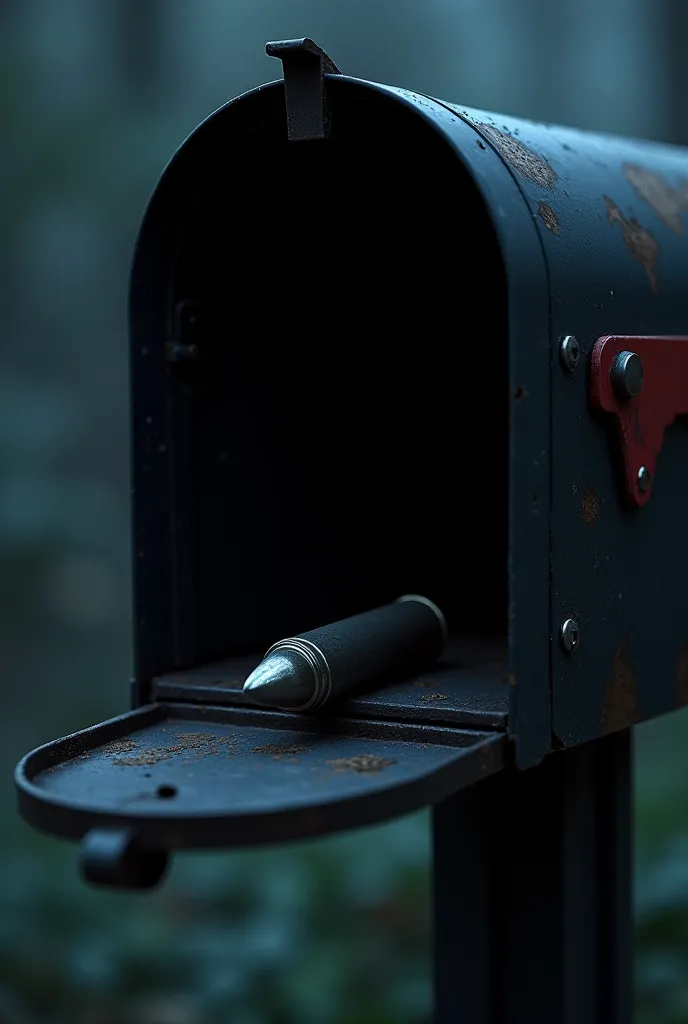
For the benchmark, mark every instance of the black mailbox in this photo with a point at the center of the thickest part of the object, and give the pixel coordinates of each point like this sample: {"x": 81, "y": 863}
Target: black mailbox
{"x": 382, "y": 344}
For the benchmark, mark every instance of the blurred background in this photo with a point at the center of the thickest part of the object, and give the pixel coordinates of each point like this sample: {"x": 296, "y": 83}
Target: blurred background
{"x": 94, "y": 97}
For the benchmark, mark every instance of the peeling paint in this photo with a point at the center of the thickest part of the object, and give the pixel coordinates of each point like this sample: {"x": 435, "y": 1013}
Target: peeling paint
{"x": 620, "y": 708}
{"x": 590, "y": 506}
{"x": 524, "y": 161}
{"x": 682, "y": 677}
{"x": 642, "y": 245}
{"x": 549, "y": 218}
{"x": 668, "y": 203}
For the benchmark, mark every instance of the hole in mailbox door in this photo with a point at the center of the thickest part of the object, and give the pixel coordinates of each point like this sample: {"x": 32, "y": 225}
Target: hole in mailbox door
{"x": 351, "y": 405}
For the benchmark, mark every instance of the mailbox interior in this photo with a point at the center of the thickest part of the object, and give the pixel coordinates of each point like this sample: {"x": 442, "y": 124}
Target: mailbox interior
{"x": 320, "y": 395}
{"x": 347, "y": 417}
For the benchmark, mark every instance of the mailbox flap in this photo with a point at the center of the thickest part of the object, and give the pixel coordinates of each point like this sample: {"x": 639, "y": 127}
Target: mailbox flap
{"x": 179, "y": 776}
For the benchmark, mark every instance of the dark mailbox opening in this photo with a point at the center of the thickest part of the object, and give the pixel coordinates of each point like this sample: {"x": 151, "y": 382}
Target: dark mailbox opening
{"x": 349, "y": 407}
{"x": 321, "y": 407}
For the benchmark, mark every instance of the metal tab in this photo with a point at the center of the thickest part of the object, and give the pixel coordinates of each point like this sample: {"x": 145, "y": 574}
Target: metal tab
{"x": 643, "y": 417}
{"x": 305, "y": 65}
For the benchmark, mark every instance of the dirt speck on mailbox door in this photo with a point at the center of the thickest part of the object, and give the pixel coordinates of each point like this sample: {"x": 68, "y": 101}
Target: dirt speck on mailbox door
{"x": 590, "y": 506}
{"x": 620, "y": 708}
{"x": 548, "y": 218}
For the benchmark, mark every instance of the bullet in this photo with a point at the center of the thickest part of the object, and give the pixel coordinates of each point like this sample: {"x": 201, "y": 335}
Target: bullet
{"x": 305, "y": 672}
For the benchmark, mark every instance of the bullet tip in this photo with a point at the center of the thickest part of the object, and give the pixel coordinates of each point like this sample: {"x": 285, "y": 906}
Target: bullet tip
{"x": 282, "y": 680}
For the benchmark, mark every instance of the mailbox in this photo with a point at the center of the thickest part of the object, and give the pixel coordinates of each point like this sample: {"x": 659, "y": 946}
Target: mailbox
{"x": 384, "y": 344}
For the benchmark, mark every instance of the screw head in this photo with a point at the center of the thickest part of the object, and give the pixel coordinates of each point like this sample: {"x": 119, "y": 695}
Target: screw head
{"x": 643, "y": 479}
{"x": 570, "y": 353}
{"x": 627, "y": 374}
{"x": 570, "y": 636}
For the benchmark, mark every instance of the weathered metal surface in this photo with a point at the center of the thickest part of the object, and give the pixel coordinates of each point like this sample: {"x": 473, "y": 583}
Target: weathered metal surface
{"x": 179, "y": 776}
{"x": 590, "y": 506}
{"x": 617, "y": 268}
{"x": 468, "y": 686}
{"x": 641, "y": 244}
{"x": 526, "y": 162}
{"x": 641, "y": 420}
{"x": 668, "y": 202}
{"x": 621, "y": 709}
{"x": 591, "y": 231}
{"x": 549, "y": 217}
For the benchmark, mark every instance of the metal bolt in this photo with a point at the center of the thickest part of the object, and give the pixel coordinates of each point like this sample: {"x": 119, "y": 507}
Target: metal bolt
{"x": 570, "y": 636}
{"x": 627, "y": 374}
{"x": 570, "y": 353}
{"x": 643, "y": 479}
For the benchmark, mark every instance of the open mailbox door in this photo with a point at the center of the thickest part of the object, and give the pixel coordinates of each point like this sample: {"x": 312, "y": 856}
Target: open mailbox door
{"x": 361, "y": 322}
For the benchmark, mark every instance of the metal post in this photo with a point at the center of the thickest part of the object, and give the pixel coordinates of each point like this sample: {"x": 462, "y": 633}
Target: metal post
{"x": 532, "y": 893}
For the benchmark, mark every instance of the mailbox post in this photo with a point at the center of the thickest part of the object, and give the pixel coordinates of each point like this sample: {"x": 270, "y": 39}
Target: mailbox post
{"x": 382, "y": 344}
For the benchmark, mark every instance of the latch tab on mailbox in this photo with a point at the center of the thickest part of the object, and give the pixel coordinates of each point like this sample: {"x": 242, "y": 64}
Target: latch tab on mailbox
{"x": 643, "y": 382}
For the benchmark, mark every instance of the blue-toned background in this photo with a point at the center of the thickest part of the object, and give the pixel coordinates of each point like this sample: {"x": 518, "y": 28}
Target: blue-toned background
{"x": 94, "y": 96}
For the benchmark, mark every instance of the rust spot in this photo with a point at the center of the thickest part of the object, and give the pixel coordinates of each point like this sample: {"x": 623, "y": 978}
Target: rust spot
{"x": 510, "y": 679}
{"x": 524, "y": 161}
{"x": 682, "y": 677}
{"x": 486, "y": 755}
{"x": 642, "y": 246}
{"x": 429, "y": 698}
{"x": 119, "y": 747}
{"x": 620, "y": 708}
{"x": 549, "y": 218}
{"x": 361, "y": 763}
{"x": 279, "y": 750}
{"x": 146, "y": 757}
{"x": 203, "y": 744}
{"x": 668, "y": 203}
{"x": 590, "y": 506}
{"x": 424, "y": 682}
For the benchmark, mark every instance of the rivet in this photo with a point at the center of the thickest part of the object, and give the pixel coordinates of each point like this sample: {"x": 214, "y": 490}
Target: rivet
{"x": 570, "y": 636}
{"x": 643, "y": 479}
{"x": 627, "y": 374}
{"x": 570, "y": 353}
